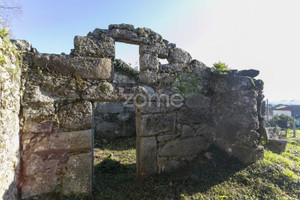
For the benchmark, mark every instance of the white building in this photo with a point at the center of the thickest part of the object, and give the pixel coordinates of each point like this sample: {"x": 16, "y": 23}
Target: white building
{"x": 285, "y": 112}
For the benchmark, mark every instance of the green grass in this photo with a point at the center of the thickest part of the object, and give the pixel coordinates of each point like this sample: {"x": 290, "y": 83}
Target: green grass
{"x": 274, "y": 177}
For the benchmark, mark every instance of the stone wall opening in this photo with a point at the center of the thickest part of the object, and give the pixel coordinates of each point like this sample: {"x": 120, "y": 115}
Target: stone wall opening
{"x": 114, "y": 123}
{"x": 114, "y": 150}
{"x": 129, "y": 53}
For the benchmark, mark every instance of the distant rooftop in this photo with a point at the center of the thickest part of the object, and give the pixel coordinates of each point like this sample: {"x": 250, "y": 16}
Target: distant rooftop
{"x": 288, "y": 107}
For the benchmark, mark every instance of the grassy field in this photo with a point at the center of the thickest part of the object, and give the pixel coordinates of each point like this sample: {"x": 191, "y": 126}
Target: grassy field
{"x": 274, "y": 177}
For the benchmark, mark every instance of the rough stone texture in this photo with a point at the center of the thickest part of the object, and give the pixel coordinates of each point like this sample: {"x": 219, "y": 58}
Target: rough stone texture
{"x": 127, "y": 34}
{"x": 84, "y": 67}
{"x": 93, "y": 47}
{"x": 78, "y": 167}
{"x": 207, "y": 131}
{"x": 188, "y": 131}
{"x": 172, "y": 68}
{"x": 33, "y": 126}
{"x": 169, "y": 166}
{"x": 23, "y": 46}
{"x": 159, "y": 49}
{"x": 114, "y": 120}
{"x": 149, "y": 125}
{"x": 178, "y": 55}
{"x": 75, "y": 116}
{"x": 38, "y": 112}
{"x": 52, "y": 86}
{"x": 114, "y": 92}
{"x": 250, "y": 72}
{"x": 236, "y": 117}
{"x": 59, "y": 91}
{"x": 149, "y": 62}
{"x": 222, "y": 84}
{"x": 152, "y": 107}
{"x": 247, "y": 155}
{"x": 184, "y": 147}
{"x": 40, "y": 172}
{"x": 276, "y": 145}
{"x": 261, "y": 107}
{"x": 35, "y": 94}
{"x": 148, "y": 77}
{"x": 121, "y": 26}
{"x": 194, "y": 115}
{"x": 77, "y": 141}
{"x": 44, "y": 161}
{"x": 146, "y": 156}
{"x": 198, "y": 101}
{"x": 273, "y": 132}
{"x": 9, "y": 126}
{"x": 236, "y": 109}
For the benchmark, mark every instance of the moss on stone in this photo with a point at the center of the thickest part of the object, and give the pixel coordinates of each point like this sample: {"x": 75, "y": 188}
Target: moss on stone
{"x": 79, "y": 80}
{"x": 251, "y": 80}
{"x": 122, "y": 67}
{"x": 187, "y": 84}
{"x": 9, "y": 52}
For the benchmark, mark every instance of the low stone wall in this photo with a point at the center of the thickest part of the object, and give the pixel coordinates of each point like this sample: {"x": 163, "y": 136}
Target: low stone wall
{"x": 274, "y": 141}
{"x": 181, "y": 108}
{"x": 9, "y": 120}
{"x": 273, "y": 132}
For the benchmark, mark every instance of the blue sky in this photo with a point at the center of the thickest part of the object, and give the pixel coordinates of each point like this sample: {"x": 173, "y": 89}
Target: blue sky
{"x": 260, "y": 34}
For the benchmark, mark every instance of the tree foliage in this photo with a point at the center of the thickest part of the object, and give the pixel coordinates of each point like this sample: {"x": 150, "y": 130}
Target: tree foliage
{"x": 281, "y": 120}
{"x": 8, "y": 10}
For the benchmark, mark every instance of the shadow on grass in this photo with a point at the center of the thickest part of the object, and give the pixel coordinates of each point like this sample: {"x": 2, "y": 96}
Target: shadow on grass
{"x": 116, "y": 181}
{"x": 111, "y": 177}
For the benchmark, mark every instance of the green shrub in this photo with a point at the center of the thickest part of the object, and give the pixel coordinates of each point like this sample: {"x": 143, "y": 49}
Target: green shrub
{"x": 220, "y": 68}
{"x": 9, "y": 51}
{"x": 281, "y": 120}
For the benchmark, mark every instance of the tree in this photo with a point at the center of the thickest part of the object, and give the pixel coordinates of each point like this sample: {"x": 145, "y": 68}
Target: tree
{"x": 281, "y": 120}
{"x": 8, "y": 9}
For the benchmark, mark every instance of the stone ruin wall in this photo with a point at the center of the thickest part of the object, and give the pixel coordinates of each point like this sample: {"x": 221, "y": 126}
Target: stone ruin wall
{"x": 9, "y": 122}
{"x": 116, "y": 119}
{"x": 113, "y": 120}
{"x": 62, "y": 93}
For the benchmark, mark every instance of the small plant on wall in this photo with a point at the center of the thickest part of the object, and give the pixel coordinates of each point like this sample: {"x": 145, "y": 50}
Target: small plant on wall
{"x": 8, "y": 52}
{"x": 220, "y": 68}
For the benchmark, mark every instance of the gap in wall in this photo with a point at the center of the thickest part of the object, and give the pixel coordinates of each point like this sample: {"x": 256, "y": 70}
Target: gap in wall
{"x": 128, "y": 53}
{"x": 114, "y": 144}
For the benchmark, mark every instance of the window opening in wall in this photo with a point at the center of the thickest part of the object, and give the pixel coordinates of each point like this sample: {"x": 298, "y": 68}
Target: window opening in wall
{"x": 129, "y": 54}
